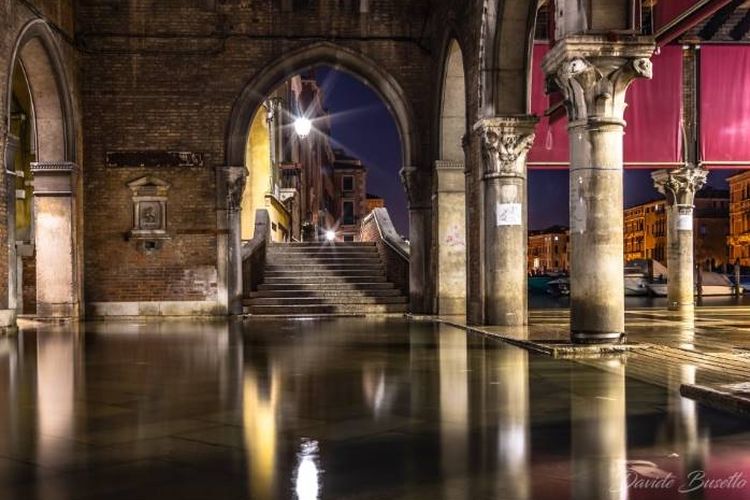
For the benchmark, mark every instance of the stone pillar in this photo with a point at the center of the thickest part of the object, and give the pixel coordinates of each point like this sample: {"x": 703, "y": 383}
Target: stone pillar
{"x": 679, "y": 186}
{"x": 450, "y": 237}
{"x": 505, "y": 143}
{"x": 418, "y": 186}
{"x": 594, "y": 75}
{"x": 55, "y": 237}
{"x": 230, "y": 185}
{"x": 9, "y": 302}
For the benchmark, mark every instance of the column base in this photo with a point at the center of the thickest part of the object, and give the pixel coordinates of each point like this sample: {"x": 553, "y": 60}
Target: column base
{"x": 7, "y": 318}
{"x": 597, "y": 337}
{"x": 61, "y": 311}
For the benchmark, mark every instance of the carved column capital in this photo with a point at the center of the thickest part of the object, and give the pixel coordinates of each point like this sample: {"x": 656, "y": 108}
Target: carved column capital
{"x": 594, "y": 74}
{"x": 418, "y": 185}
{"x": 506, "y": 140}
{"x": 231, "y": 185}
{"x": 679, "y": 185}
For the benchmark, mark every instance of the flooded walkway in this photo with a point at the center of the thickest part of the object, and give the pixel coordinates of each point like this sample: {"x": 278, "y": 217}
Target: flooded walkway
{"x": 343, "y": 409}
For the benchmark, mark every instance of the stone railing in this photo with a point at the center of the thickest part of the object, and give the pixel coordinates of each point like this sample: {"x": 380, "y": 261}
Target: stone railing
{"x": 393, "y": 250}
{"x": 254, "y": 252}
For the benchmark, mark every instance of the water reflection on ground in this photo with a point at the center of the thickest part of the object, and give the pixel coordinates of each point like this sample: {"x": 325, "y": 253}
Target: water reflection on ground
{"x": 345, "y": 408}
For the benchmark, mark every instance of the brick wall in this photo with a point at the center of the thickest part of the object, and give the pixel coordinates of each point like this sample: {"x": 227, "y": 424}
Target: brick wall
{"x": 396, "y": 267}
{"x": 165, "y": 75}
{"x": 29, "y": 284}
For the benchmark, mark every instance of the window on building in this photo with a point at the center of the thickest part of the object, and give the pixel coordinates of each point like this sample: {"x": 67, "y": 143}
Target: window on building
{"x": 349, "y": 237}
{"x": 348, "y": 213}
{"x": 347, "y": 183}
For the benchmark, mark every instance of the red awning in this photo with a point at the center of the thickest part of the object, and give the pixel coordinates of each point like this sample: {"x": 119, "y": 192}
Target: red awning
{"x": 652, "y": 137}
{"x": 725, "y": 105}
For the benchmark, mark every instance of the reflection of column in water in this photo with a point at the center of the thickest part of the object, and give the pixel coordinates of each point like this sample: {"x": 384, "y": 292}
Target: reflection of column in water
{"x": 58, "y": 355}
{"x": 682, "y": 421}
{"x": 512, "y": 384}
{"x": 454, "y": 411}
{"x": 599, "y": 431}
{"x": 260, "y": 399}
{"x": 422, "y": 339}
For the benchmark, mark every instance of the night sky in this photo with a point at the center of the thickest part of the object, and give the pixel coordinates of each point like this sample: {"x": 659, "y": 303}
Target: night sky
{"x": 364, "y": 127}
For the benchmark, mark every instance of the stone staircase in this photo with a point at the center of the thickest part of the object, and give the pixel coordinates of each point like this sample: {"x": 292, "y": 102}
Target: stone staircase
{"x": 325, "y": 278}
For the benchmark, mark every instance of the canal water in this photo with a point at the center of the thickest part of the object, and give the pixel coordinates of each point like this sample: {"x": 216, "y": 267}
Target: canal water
{"x": 539, "y": 298}
{"x": 343, "y": 409}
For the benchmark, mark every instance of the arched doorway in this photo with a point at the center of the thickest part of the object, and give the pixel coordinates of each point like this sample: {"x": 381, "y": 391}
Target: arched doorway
{"x": 41, "y": 182}
{"x": 449, "y": 205}
{"x": 387, "y": 88}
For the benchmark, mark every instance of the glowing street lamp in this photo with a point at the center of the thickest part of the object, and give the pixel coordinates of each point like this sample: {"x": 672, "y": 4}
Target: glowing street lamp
{"x": 330, "y": 235}
{"x": 302, "y": 126}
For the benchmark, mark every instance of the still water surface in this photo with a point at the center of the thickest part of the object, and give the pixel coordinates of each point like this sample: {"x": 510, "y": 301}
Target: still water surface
{"x": 342, "y": 409}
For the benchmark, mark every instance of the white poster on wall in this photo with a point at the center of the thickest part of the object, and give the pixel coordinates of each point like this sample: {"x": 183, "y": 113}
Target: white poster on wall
{"x": 684, "y": 222}
{"x": 509, "y": 214}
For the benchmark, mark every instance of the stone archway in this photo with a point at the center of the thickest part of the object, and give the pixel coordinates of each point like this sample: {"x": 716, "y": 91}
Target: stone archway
{"x": 416, "y": 180}
{"x": 496, "y": 233}
{"x": 449, "y": 198}
{"x": 54, "y": 222}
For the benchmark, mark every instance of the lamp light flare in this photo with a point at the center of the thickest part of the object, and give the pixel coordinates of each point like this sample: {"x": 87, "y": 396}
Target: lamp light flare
{"x": 330, "y": 235}
{"x": 302, "y": 126}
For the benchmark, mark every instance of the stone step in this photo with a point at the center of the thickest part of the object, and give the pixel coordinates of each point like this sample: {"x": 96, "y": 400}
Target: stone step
{"x": 298, "y": 310}
{"x": 332, "y": 252}
{"x": 309, "y": 301}
{"x": 325, "y": 273}
{"x": 322, "y": 280}
{"x": 326, "y": 293}
{"x": 320, "y": 244}
{"x": 315, "y": 266}
{"x": 312, "y": 259}
{"x": 335, "y": 286}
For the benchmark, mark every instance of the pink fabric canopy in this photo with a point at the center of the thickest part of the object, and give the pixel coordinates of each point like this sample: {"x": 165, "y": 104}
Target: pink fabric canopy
{"x": 725, "y": 106}
{"x": 652, "y": 137}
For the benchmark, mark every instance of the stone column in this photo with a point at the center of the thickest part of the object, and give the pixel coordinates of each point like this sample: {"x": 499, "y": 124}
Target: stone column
{"x": 679, "y": 186}
{"x": 506, "y": 141}
{"x": 450, "y": 237}
{"x": 594, "y": 75}
{"x": 9, "y": 305}
{"x": 418, "y": 186}
{"x": 230, "y": 185}
{"x": 55, "y": 228}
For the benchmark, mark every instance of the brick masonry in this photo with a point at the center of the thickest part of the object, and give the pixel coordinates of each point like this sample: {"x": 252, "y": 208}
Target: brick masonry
{"x": 148, "y": 75}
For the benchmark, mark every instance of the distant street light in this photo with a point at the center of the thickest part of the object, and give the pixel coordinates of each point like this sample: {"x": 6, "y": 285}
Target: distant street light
{"x": 330, "y": 235}
{"x": 302, "y": 126}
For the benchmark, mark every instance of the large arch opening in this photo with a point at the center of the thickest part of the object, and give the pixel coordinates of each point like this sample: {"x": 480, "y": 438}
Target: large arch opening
{"x": 320, "y": 181}
{"x": 316, "y": 187}
{"x": 449, "y": 197}
{"x": 40, "y": 182}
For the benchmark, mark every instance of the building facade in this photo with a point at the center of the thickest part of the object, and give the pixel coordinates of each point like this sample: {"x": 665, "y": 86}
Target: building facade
{"x": 739, "y": 218}
{"x": 307, "y": 187}
{"x": 645, "y": 234}
{"x": 548, "y": 250}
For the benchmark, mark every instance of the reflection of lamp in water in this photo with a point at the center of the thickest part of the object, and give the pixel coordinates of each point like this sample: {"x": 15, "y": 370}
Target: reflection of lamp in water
{"x": 302, "y": 126}
{"x": 306, "y": 483}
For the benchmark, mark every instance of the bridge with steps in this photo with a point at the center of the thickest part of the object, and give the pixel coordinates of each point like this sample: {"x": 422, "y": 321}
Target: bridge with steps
{"x": 324, "y": 278}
